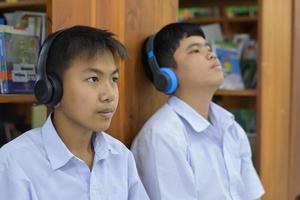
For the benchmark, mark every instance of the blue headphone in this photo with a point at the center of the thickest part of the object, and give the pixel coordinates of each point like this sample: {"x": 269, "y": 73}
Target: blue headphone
{"x": 48, "y": 87}
{"x": 164, "y": 78}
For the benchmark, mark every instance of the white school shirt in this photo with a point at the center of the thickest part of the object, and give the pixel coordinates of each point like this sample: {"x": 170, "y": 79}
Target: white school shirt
{"x": 182, "y": 156}
{"x": 38, "y": 166}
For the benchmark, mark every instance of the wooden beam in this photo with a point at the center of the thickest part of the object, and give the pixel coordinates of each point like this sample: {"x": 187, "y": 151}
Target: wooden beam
{"x": 274, "y": 99}
{"x": 295, "y": 109}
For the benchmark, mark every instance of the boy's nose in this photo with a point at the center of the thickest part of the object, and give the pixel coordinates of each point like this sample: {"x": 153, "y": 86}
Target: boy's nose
{"x": 107, "y": 93}
{"x": 211, "y": 55}
{"x": 107, "y": 99}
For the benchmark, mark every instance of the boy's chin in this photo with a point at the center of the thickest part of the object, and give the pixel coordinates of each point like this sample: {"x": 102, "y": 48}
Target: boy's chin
{"x": 103, "y": 127}
{"x": 219, "y": 83}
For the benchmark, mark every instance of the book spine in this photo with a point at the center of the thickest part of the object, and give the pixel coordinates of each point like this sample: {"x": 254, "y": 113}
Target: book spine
{"x": 4, "y": 74}
{"x": 2, "y": 54}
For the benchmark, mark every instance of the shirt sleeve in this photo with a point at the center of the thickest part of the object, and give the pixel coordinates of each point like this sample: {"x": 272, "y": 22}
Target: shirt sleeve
{"x": 163, "y": 167}
{"x": 136, "y": 188}
{"x": 253, "y": 185}
{"x": 13, "y": 186}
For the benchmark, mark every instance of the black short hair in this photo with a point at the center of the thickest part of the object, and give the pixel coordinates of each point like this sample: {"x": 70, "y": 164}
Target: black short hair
{"x": 81, "y": 42}
{"x": 168, "y": 38}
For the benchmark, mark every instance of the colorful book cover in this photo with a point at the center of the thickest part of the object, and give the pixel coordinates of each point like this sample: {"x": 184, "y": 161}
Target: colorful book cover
{"x": 230, "y": 60}
{"x": 18, "y": 57}
{"x": 33, "y": 22}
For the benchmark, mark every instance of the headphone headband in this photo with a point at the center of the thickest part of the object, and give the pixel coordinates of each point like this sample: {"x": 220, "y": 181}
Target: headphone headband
{"x": 43, "y": 55}
{"x": 151, "y": 56}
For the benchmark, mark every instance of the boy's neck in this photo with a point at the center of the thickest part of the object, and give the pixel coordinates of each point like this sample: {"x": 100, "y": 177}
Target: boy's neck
{"x": 77, "y": 140}
{"x": 199, "y": 101}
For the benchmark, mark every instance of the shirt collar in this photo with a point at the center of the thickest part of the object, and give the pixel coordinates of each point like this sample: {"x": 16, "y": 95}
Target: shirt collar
{"x": 196, "y": 121}
{"x": 217, "y": 115}
{"x": 220, "y": 118}
{"x": 103, "y": 147}
{"x": 58, "y": 153}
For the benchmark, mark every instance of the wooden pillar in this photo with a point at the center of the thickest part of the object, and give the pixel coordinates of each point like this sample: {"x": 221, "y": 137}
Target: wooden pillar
{"x": 274, "y": 99}
{"x": 132, "y": 21}
{"x": 295, "y": 138}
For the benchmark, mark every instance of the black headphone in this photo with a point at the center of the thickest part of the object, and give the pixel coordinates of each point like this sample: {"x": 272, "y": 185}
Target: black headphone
{"x": 164, "y": 78}
{"x": 48, "y": 87}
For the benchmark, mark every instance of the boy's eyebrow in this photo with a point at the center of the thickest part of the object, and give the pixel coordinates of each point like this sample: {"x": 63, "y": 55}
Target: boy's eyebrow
{"x": 98, "y": 71}
{"x": 116, "y": 71}
{"x": 197, "y": 44}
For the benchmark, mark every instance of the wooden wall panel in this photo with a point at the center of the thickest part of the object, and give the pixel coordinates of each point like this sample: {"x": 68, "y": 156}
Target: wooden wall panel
{"x": 274, "y": 100}
{"x": 69, "y": 12}
{"x": 132, "y": 21}
{"x": 295, "y": 138}
{"x": 142, "y": 19}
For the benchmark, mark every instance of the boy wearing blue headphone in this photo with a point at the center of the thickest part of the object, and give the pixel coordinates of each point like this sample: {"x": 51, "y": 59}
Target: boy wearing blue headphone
{"x": 71, "y": 157}
{"x": 191, "y": 148}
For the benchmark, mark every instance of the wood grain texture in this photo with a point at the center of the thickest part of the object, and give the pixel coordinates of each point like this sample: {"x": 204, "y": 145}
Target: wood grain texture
{"x": 295, "y": 125}
{"x": 69, "y": 12}
{"x": 274, "y": 98}
{"x": 142, "y": 18}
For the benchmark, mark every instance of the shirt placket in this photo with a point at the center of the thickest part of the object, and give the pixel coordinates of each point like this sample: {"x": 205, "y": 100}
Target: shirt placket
{"x": 229, "y": 168}
{"x": 97, "y": 183}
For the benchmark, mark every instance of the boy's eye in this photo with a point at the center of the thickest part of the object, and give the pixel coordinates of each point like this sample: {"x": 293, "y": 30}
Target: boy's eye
{"x": 92, "y": 79}
{"x": 115, "y": 79}
{"x": 194, "y": 51}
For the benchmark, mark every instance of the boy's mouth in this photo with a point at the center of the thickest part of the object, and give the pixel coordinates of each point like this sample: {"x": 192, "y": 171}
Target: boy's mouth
{"x": 216, "y": 66}
{"x": 106, "y": 113}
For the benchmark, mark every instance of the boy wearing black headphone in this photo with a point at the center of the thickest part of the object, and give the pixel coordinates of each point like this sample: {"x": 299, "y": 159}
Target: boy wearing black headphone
{"x": 71, "y": 157}
{"x": 191, "y": 148}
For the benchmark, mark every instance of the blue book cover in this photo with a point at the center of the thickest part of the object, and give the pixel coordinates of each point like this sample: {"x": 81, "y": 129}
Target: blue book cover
{"x": 18, "y": 57}
{"x": 230, "y": 61}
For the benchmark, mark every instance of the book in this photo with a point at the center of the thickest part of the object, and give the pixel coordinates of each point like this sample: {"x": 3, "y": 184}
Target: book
{"x": 18, "y": 57}
{"x": 229, "y": 57}
{"x": 213, "y": 32}
{"x": 234, "y": 11}
{"x": 249, "y": 64}
{"x": 246, "y": 118}
{"x": 185, "y": 14}
{"x": 33, "y": 22}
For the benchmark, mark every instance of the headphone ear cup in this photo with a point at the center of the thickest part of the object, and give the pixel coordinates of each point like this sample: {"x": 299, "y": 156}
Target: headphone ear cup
{"x": 171, "y": 80}
{"x": 43, "y": 91}
{"x": 57, "y": 90}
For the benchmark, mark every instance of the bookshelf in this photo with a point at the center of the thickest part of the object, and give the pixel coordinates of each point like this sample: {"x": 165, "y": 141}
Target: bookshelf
{"x": 17, "y": 98}
{"x": 224, "y": 20}
{"x": 236, "y": 93}
{"x": 13, "y": 105}
{"x": 204, "y": 3}
{"x": 241, "y": 23}
{"x": 23, "y": 5}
